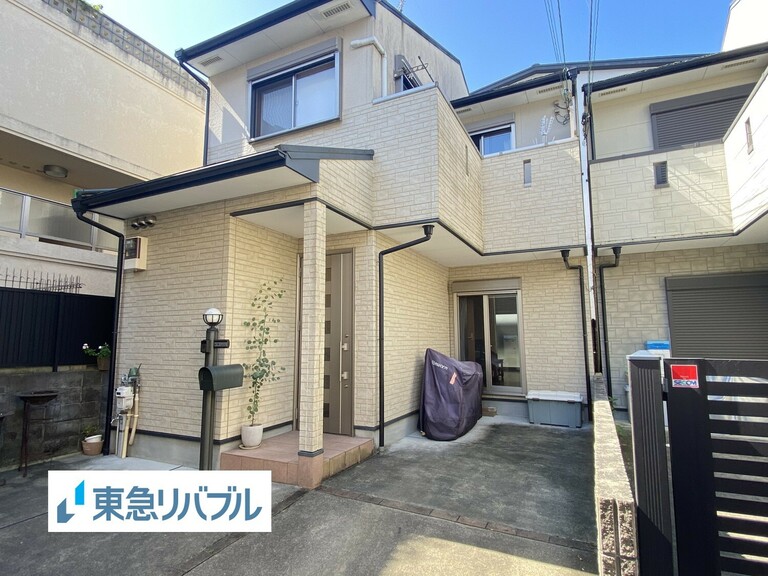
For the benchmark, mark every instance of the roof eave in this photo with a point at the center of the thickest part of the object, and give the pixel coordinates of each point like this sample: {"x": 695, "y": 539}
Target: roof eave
{"x": 677, "y": 67}
{"x": 291, "y": 10}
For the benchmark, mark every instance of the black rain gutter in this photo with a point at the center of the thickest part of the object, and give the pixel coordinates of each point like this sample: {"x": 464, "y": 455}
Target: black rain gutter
{"x": 291, "y": 10}
{"x": 193, "y": 72}
{"x": 428, "y": 229}
{"x": 604, "y": 308}
{"x": 513, "y": 89}
{"x": 677, "y": 67}
{"x": 79, "y": 212}
{"x": 568, "y": 266}
{"x": 90, "y": 200}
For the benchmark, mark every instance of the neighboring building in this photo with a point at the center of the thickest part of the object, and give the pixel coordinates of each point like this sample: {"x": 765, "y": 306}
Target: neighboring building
{"x": 338, "y": 129}
{"x": 84, "y": 103}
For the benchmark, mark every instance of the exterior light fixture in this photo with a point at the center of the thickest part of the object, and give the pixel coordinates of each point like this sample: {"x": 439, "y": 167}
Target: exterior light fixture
{"x": 55, "y": 171}
{"x": 144, "y": 222}
{"x": 213, "y": 317}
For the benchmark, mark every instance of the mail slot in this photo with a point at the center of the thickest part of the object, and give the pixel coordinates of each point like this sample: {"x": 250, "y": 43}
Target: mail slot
{"x": 220, "y": 377}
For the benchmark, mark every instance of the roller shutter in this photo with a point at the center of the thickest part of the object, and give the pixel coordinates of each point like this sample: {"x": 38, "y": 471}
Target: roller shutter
{"x": 699, "y": 118}
{"x": 723, "y": 316}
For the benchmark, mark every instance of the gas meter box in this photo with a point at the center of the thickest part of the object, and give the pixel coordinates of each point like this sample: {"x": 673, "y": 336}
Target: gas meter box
{"x": 220, "y": 377}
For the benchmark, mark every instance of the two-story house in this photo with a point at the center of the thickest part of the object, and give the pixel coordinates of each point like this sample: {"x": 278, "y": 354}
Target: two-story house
{"x": 337, "y": 130}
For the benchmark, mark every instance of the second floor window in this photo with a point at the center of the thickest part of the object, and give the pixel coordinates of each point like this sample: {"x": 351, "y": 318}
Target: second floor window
{"x": 496, "y": 140}
{"x": 301, "y": 96}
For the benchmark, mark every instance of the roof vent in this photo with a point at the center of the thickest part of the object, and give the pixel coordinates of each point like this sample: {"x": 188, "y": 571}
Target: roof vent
{"x": 735, "y": 64}
{"x": 336, "y": 10}
{"x": 611, "y": 92}
{"x": 464, "y": 110}
{"x": 554, "y": 88}
{"x": 211, "y": 60}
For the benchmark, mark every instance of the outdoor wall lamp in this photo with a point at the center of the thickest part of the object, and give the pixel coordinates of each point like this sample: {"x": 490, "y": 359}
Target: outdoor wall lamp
{"x": 143, "y": 222}
{"x": 213, "y": 317}
{"x": 55, "y": 171}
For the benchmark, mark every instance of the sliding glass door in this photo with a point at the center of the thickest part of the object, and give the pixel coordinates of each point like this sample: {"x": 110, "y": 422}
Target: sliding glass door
{"x": 490, "y": 334}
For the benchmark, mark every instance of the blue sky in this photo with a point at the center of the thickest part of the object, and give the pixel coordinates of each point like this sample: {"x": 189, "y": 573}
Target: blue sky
{"x": 492, "y": 38}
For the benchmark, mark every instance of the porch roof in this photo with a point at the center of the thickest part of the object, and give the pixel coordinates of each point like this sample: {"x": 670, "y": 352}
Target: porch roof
{"x": 283, "y": 167}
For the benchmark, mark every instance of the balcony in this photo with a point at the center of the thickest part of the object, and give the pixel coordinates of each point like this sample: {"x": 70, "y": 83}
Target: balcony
{"x": 661, "y": 195}
{"x": 533, "y": 199}
{"x": 53, "y": 223}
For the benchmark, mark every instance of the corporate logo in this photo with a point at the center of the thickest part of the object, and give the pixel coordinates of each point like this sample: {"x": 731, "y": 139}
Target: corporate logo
{"x": 438, "y": 365}
{"x": 159, "y": 501}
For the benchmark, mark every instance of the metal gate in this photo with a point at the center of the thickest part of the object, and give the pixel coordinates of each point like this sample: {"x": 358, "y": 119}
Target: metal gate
{"x": 718, "y": 451}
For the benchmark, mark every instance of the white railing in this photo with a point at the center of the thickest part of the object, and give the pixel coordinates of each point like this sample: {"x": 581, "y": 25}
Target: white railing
{"x": 54, "y": 222}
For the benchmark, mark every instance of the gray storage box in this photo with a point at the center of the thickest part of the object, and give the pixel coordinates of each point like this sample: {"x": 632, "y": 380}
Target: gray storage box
{"x": 556, "y": 408}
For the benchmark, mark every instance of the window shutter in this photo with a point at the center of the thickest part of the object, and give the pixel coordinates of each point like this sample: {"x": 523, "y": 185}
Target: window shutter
{"x": 719, "y": 316}
{"x": 695, "y": 124}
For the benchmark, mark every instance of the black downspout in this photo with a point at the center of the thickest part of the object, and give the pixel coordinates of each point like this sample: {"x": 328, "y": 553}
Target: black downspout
{"x": 183, "y": 63}
{"x": 604, "y": 308}
{"x": 428, "y": 229}
{"x": 580, "y": 268}
{"x": 115, "y": 321}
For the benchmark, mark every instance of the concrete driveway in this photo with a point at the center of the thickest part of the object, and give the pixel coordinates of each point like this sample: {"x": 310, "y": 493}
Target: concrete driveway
{"x": 505, "y": 499}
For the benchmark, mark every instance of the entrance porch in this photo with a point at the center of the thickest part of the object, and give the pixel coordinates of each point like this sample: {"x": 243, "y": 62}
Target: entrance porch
{"x": 280, "y": 454}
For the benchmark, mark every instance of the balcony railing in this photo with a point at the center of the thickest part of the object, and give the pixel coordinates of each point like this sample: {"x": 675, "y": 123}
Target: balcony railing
{"x": 54, "y": 222}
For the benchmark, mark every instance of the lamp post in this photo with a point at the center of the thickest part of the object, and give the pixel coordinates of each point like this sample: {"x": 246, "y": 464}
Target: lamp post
{"x": 212, "y": 317}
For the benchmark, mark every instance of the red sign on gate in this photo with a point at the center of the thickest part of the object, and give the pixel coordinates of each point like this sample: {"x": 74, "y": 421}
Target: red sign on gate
{"x": 685, "y": 376}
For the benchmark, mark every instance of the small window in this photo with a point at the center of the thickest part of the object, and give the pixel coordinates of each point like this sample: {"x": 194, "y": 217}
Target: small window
{"x": 750, "y": 144}
{"x": 526, "y": 172}
{"x": 495, "y": 140}
{"x": 660, "y": 175}
{"x": 301, "y": 96}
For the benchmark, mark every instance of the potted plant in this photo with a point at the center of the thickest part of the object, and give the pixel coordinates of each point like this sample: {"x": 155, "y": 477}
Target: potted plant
{"x": 102, "y": 354}
{"x": 92, "y": 442}
{"x": 261, "y": 370}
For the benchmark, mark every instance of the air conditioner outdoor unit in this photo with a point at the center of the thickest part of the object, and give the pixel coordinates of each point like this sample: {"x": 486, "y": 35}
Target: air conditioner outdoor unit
{"x": 136, "y": 253}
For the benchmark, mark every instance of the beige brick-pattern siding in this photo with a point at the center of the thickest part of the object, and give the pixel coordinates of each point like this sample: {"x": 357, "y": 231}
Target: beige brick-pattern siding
{"x": 416, "y": 317}
{"x": 402, "y": 131}
{"x": 636, "y": 297}
{"x": 257, "y": 255}
{"x": 551, "y": 320}
{"x": 628, "y": 208}
{"x": 748, "y": 171}
{"x": 460, "y": 196}
{"x": 312, "y": 332}
{"x": 548, "y": 213}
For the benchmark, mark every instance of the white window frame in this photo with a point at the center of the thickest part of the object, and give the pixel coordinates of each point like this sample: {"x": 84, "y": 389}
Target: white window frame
{"x": 481, "y": 134}
{"x": 292, "y": 72}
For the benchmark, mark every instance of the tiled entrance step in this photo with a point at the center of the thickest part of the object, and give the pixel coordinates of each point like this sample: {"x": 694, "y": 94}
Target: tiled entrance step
{"x": 280, "y": 455}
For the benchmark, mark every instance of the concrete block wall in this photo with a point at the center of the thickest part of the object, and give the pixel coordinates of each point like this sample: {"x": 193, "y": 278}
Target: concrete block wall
{"x": 55, "y": 428}
{"x": 636, "y": 298}
{"x": 551, "y": 320}
{"x": 548, "y": 212}
{"x": 629, "y": 208}
{"x": 614, "y": 502}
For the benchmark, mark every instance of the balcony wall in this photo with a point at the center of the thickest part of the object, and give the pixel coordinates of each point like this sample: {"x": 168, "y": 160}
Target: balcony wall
{"x": 627, "y": 207}
{"x": 91, "y": 89}
{"x": 547, "y": 213}
{"x": 748, "y": 170}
